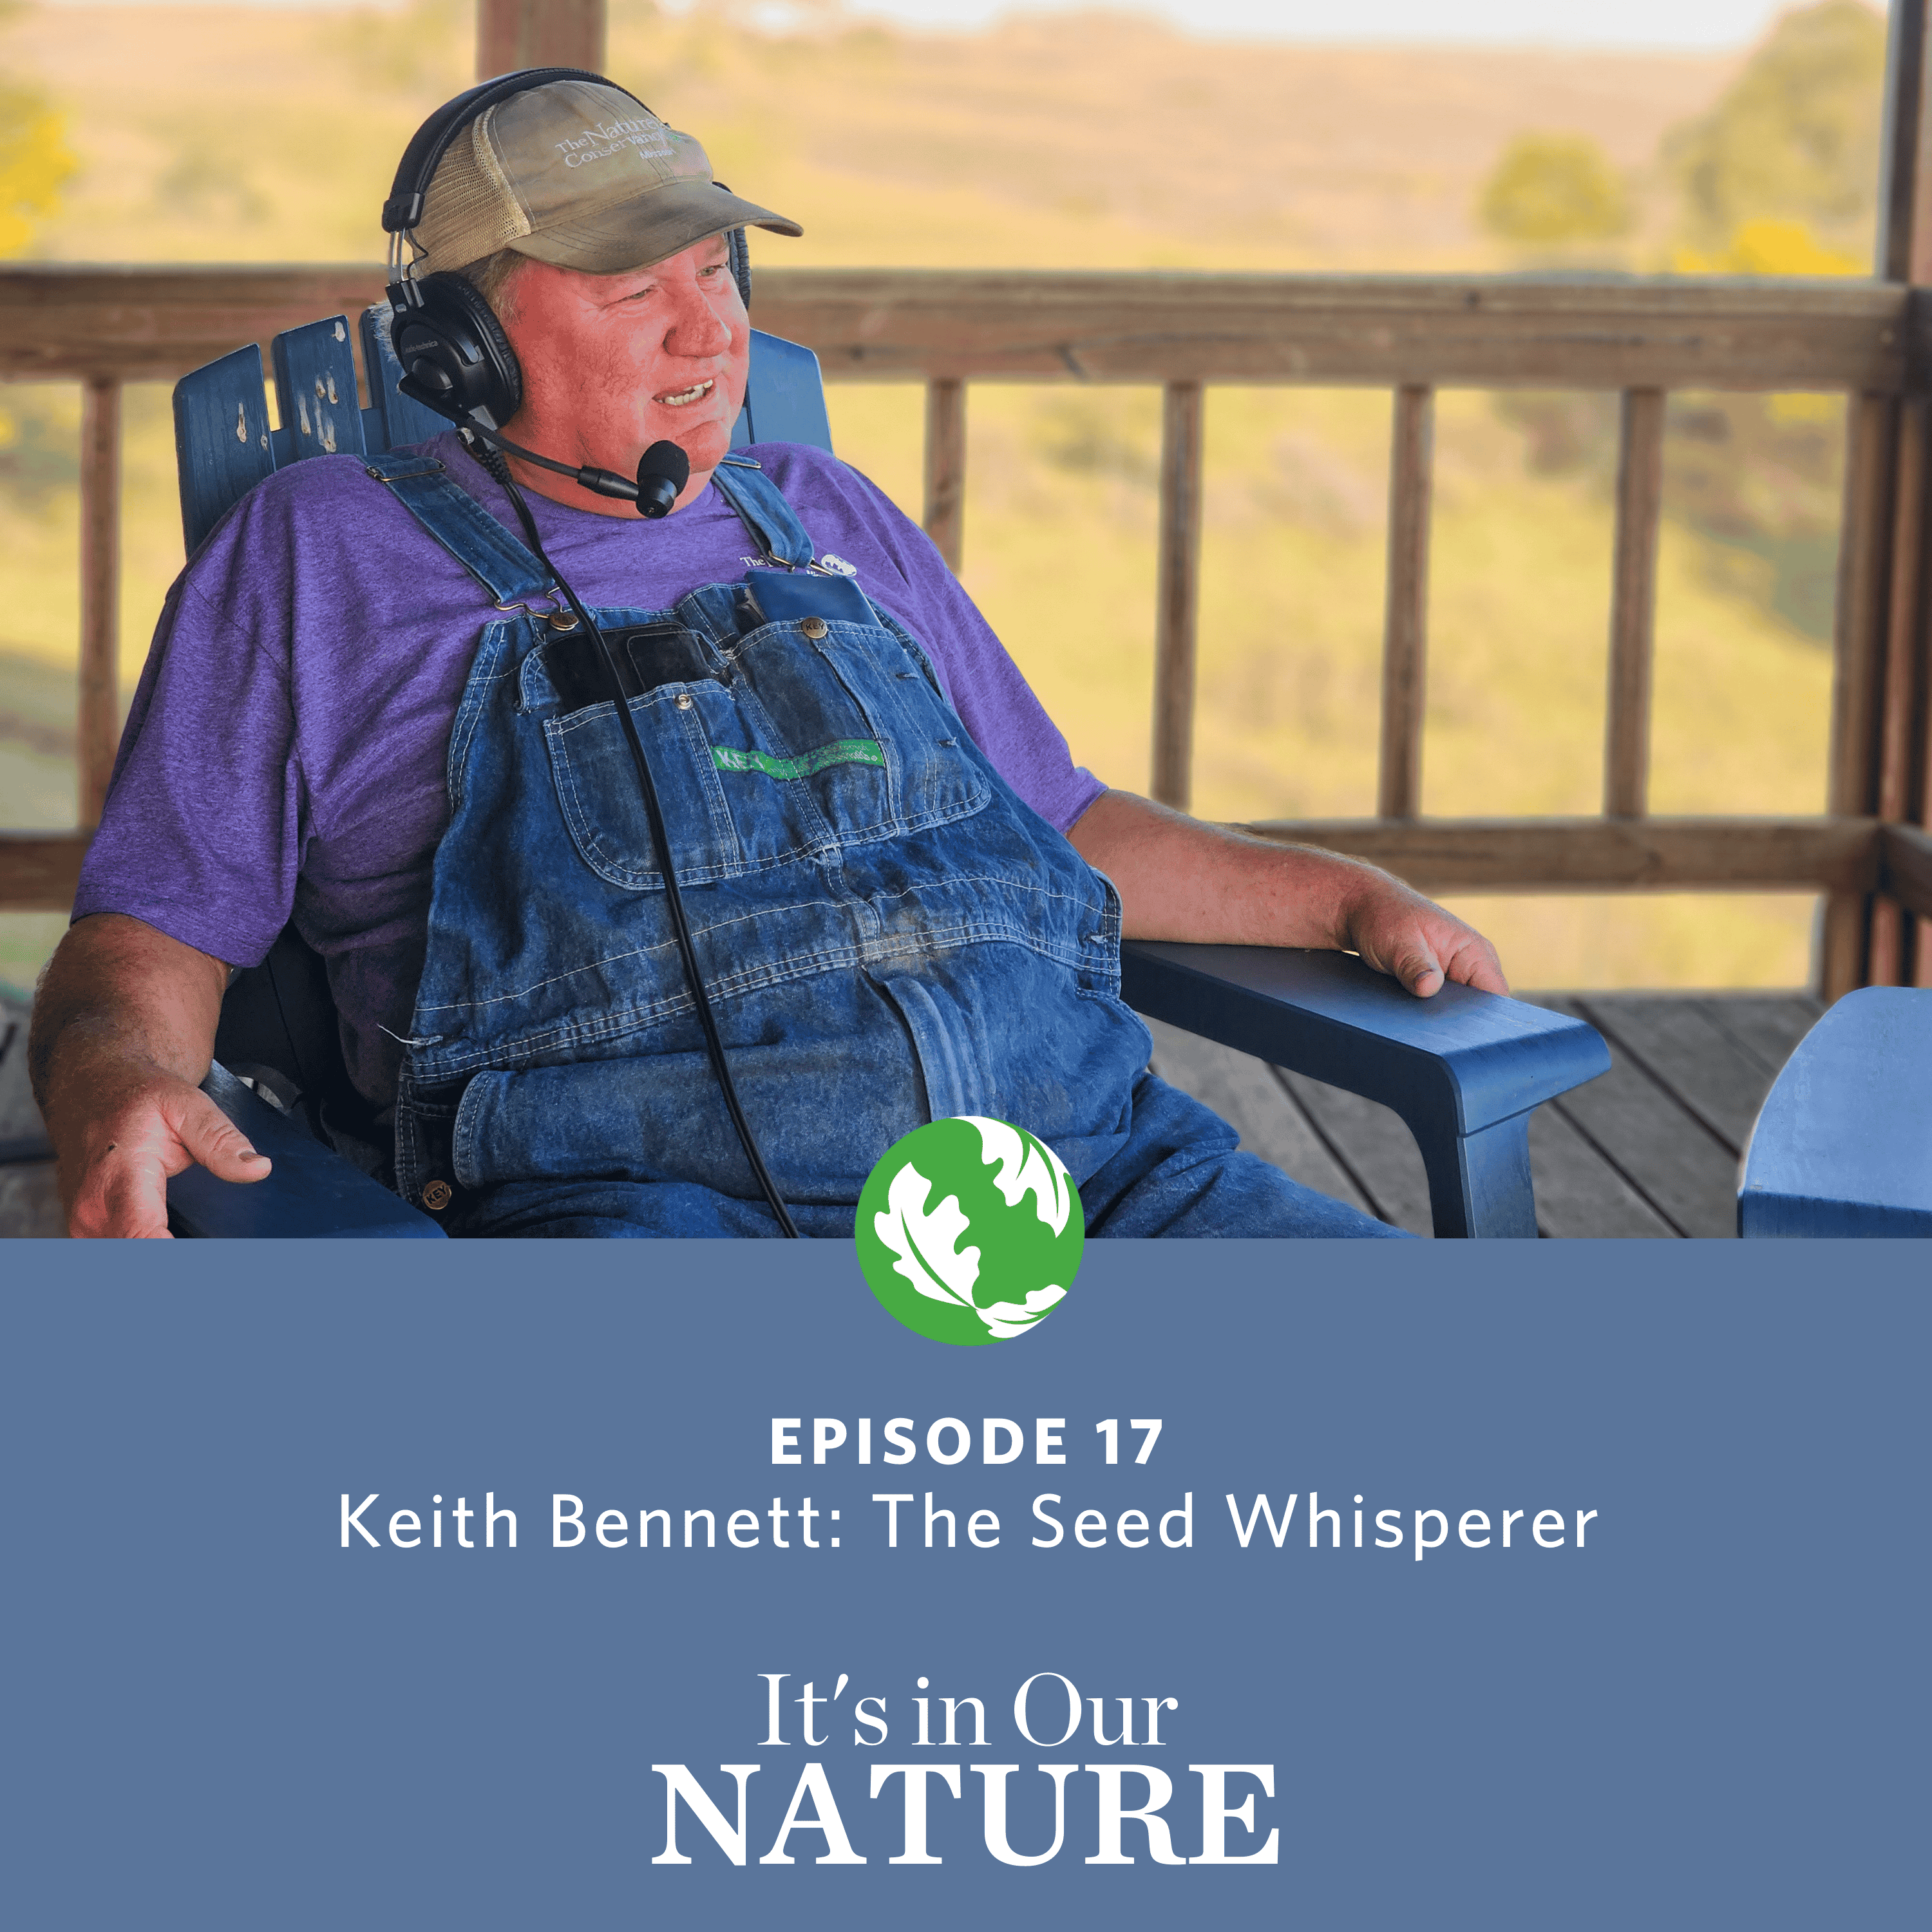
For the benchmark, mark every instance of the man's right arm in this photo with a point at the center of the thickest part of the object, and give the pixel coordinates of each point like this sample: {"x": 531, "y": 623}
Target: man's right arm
{"x": 123, "y": 1032}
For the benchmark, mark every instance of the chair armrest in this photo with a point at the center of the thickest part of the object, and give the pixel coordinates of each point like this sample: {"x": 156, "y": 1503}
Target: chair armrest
{"x": 1462, "y": 1069}
{"x": 313, "y": 1191}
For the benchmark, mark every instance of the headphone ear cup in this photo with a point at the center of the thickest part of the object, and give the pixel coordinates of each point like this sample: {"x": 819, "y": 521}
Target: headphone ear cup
{"x": 454, "y": 345}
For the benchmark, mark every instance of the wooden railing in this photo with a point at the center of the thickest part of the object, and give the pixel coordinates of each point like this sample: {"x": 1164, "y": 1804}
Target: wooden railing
{"x": 1411, "y": 335}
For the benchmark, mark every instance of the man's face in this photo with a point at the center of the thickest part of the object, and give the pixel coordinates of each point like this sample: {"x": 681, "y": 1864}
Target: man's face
{"x": 613, "y": 364}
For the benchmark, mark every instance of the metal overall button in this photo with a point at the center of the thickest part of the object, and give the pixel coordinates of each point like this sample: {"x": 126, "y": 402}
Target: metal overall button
{"x": 436, "y": 1195}
{"x": 814, "y": 627}
{"x": 684, "y": 701}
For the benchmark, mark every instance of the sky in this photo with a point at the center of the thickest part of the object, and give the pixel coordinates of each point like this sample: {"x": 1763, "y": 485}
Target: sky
{"x": 1684, "y": 25}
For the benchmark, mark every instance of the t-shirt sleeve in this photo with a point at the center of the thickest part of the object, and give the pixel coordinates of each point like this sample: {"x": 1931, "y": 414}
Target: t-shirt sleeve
{"x": 202, "y": 834}
{"x": 985, "y": 687}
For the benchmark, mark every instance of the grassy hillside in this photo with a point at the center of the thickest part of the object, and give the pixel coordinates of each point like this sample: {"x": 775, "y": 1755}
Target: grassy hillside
{"x": 217, "y": 133}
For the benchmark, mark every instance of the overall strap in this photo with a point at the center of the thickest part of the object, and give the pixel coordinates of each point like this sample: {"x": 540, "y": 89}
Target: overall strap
{"x": 763, "y": 510}
{"x": 497, "y": 561}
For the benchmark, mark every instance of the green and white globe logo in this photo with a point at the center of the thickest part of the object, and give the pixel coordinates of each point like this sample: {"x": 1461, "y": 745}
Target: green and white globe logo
{"x": 970, "y": 1230}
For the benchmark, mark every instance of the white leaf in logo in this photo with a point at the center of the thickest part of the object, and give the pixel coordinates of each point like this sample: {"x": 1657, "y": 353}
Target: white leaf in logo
{"x": 927, "y": 1244}
{"x": 1009, "y": 1319}
{"x": 1026, "y": 1166}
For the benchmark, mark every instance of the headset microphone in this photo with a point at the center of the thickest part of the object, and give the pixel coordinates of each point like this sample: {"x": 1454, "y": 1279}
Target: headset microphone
{"x": 663, "y": 470}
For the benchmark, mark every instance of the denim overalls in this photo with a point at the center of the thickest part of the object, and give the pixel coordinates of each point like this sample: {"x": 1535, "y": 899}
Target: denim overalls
{"x": 889, "y": 933}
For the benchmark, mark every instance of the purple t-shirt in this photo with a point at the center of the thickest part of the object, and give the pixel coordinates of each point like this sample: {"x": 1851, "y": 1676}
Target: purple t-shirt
{"x": 284, "y": 754}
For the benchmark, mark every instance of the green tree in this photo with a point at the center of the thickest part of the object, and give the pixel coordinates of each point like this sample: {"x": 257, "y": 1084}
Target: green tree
{"x": 1794, "y": 138}
{"x": 1781, "y": 177}
{"x": 1548, "y": 189}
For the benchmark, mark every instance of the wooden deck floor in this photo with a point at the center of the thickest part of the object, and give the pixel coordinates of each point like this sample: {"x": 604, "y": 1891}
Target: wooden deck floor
{"x": 1650, "y": 1149}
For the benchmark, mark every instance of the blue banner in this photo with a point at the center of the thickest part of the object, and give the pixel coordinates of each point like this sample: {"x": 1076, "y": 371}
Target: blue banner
{"x": 595, "y": 1585}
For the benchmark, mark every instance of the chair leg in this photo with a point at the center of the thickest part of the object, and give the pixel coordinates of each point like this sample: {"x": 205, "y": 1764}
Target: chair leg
{"x": 1479, "y": 1184}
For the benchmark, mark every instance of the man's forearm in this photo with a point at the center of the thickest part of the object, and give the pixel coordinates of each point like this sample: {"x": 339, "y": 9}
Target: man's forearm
{"x": 124, "y": 1026}
{"x": 119, "y": 995}
{"x": 1179, "y": 878}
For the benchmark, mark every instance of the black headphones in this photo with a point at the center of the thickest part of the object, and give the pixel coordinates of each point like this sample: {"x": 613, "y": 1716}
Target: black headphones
{"x": 454, "y": 356}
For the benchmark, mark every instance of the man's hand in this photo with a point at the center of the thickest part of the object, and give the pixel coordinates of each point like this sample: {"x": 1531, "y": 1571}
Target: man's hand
{"x": 124, "y": 1028}
{"x": 1179, "y": 878}
{"x": 1398, "y": 931}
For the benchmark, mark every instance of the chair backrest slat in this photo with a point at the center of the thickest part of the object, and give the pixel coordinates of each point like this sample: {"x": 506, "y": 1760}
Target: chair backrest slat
{"x": 221, "y": 438}
{"x": 784, "y": 396}
{"x": 315, "y": 389}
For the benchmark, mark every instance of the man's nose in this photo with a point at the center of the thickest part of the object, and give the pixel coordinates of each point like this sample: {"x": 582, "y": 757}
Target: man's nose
{"x": 695, "y": 328}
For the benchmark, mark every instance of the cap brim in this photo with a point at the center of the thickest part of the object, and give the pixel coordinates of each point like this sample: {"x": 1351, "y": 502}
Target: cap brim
{"x": 648, "y": 228}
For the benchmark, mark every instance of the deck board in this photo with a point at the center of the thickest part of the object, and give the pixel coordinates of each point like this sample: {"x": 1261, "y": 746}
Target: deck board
{"x": 1249, "y": 1095}
{"x": 1769, "y": 1027}
{"x": 1578, "y": 1194}
{"x": 1681, "y": 1047}
{"x": 1653, "y": 1143}
{"x": 1376, "y": 1147}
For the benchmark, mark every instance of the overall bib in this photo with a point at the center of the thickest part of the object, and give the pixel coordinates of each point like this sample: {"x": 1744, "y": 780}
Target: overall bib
{"x": 888, "y": 934}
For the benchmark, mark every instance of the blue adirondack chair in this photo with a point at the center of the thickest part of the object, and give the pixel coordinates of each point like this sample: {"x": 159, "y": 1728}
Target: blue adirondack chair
{"x": 1464, "y": 1070}
{"x": 1843, "y": 1143}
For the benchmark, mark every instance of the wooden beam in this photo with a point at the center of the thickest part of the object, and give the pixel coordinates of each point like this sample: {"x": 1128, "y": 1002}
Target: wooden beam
{"x": 910, "y": 324}
{"x": 945, "y": 517}
{"x": 1405, "y": 613}
{"x": 1177, "y": 593}
{"x": 40, "y": 871}
{"x": 515, "y": 33}
{"x": 1633, "y": 605}
{"x": 157, "y": 323}
{"x": 98, "y": 730}
{"x": 1577, "y": 855}
{"x": 1380, "y": 330}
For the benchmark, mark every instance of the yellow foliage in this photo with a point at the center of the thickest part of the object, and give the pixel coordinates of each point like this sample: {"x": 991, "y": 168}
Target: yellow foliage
{"x": 34, "y": 162}
{"x": 1768, "y": 246}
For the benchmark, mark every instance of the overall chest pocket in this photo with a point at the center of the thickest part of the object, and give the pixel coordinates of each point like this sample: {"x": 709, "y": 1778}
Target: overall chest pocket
{"x": 670, "y": 687}
{"x": 858, "y": 725}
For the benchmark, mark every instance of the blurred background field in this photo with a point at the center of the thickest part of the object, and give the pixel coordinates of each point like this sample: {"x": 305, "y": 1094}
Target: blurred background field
{"x": 159, "y": 133}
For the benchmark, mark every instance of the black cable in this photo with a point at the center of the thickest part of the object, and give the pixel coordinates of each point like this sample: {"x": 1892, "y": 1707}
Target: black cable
{"x": 492, "y": 462}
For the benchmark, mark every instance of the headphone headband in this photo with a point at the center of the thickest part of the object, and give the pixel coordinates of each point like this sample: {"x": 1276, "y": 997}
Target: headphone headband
{"x": 431, "y": 141}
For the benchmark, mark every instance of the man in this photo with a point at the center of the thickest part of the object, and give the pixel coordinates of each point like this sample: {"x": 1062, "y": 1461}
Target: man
{"x": 366, "y": 708}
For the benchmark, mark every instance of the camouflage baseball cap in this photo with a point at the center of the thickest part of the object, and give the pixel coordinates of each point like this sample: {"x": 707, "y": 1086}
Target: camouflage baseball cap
{"x": 580, "y": 175}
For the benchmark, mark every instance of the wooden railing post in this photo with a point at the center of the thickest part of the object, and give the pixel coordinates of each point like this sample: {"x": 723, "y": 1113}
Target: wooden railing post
{"x": 1888, "y": 962}
{"x": 1864, "y": 544}
{"x": 945, "y": 517}
{"x": 1633, "y": 605}
{"x": 513, "y": 33}
{"x": 1177, "y": 594}
{"x": 1904, "y": 254}
{"x": 98, "y": 725}
{"x": 1405, "y": 628}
